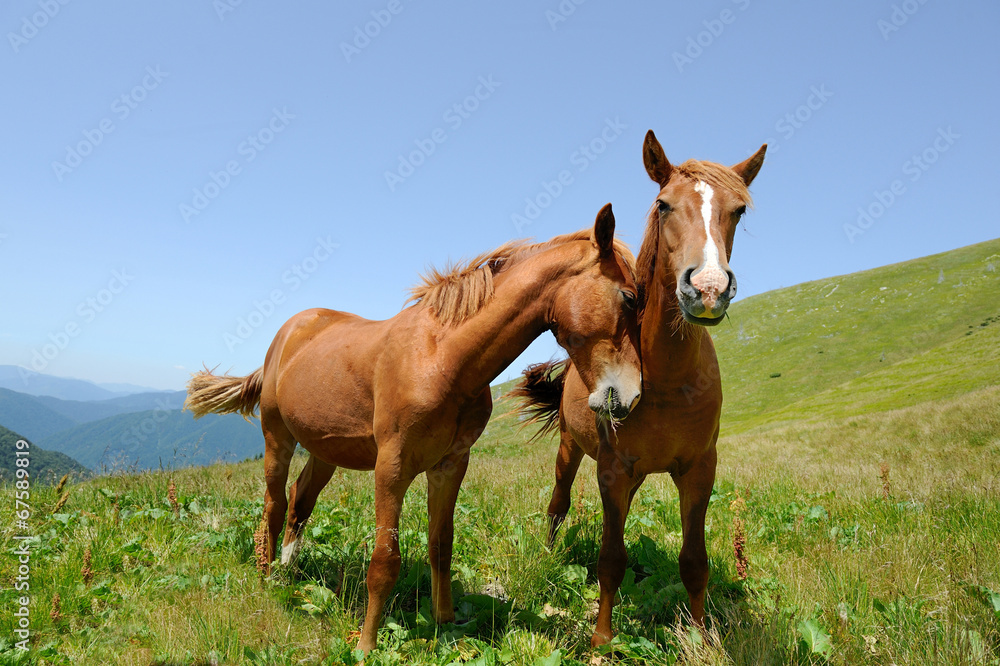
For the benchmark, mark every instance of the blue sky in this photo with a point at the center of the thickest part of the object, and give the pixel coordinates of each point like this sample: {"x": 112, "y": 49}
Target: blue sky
{"x": 170, "y": 169}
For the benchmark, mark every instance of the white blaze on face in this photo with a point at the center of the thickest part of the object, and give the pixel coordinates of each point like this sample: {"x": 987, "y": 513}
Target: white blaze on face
{"x": 710, "y": 280}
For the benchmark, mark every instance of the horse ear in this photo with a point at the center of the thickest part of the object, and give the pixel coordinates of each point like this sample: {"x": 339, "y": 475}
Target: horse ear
{"x": 604, "y": 231}
{"x": 748, "y": 168}
{"x": 657, "y": 165}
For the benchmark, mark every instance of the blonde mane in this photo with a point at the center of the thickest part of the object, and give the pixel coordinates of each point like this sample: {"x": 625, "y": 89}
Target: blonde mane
{"x": 464, "y": 289}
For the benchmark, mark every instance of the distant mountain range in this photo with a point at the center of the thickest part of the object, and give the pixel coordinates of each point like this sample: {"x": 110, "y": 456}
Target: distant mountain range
{"x": 134, "y": 431}
{"x": 23, "y": 380}
{"x": 157, "y": 438}
{"x": 43, "y": 466}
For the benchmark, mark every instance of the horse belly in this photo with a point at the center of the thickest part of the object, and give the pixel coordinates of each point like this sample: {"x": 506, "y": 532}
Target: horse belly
{"x": 357, "y": 453}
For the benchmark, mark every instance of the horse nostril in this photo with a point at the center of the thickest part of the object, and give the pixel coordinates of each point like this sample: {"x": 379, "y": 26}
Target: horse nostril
{"x": 686, "y": 278}
{"x": 686, "y": 287}
{"x": 731, "y": 289}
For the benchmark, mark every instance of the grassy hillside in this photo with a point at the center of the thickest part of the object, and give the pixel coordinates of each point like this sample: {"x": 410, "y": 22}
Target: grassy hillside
{"x": 25, "y": 414}
{"x": 44, "y": 466}
{"x": 880, "y": 339}
{"x": 155, "y": 438}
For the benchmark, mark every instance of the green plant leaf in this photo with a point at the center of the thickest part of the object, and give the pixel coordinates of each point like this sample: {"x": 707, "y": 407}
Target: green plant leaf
{"x": 575, "y": 573}
{"x": 993, "y": 598}
{"x": 815, "y": 639}
{"x": 553, "y": 659}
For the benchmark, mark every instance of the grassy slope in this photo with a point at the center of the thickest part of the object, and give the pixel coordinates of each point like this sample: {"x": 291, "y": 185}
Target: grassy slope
{"x": 867, "y": 489}
{"x": 883, "y": 332}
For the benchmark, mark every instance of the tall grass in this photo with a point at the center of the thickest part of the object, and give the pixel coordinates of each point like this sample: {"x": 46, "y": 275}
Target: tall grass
{"x": 836, "y": 571}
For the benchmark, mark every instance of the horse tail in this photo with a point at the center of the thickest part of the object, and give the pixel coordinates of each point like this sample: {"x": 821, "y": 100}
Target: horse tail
{"x": 214, "y": 394}
{"x": 541, "y": 390}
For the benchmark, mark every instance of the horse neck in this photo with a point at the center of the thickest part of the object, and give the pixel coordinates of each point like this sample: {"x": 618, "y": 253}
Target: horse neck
{"x": 519, "y": 311}
{"x": 671, "y": 348}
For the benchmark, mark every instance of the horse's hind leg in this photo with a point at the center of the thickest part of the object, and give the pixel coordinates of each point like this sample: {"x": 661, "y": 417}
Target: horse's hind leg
{"x": 304, "y": 493}
{"x": 279, "y": 446}
{"x": 694, "y": 489}
{"x": 567, "y": 465}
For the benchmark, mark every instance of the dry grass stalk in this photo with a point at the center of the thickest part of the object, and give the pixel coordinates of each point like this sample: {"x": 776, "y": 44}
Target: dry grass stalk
{"x": 883, "y": 473}
{"x": 579, "y": 501}
{"x": 739, "y": 537}
{"x": 172, "y": 496}
{"x": 62, "y": 483}
{"x": 62, "y": 502}
{"x": 260, "y": 538}
{"x": 86, "y": 571}
{"x": 56, "y": 612}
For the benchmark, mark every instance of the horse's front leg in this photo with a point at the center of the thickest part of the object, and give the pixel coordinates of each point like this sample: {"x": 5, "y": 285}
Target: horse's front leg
{"x": 618, "y": 485}
{"x": 391, "y": 483}
{"x": 694, "y": 489}
{"x": 443, "y": 482}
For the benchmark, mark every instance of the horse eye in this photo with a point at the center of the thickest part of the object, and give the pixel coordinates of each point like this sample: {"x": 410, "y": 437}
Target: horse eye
{"x": 663, "y": 207}
{"x": 629, "y": 299}
{"x": 740, "y": 212}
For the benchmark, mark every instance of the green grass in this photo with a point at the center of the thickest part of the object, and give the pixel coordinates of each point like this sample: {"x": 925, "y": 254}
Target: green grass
{"x": 867, "y": 488}
{"x": 907, "y": 579}
{"x": 885, "y": 331}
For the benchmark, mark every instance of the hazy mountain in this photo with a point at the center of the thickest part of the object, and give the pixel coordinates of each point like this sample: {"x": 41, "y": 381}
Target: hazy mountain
{"x": 149, "y": 439}
{"x": 95, "y": 410}
{"x": 27, "y": 415}
{"x": 44, "y": 466}
{"x": 22, "y": 380}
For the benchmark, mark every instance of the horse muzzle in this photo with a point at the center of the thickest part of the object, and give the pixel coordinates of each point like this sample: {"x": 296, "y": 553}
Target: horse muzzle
{"x": 704, "y": 296}
{"x": 610, "y": 403}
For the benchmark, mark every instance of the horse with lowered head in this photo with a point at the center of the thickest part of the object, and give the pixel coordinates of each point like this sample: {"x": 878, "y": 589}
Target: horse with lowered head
{"x": 411, "y": 394}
